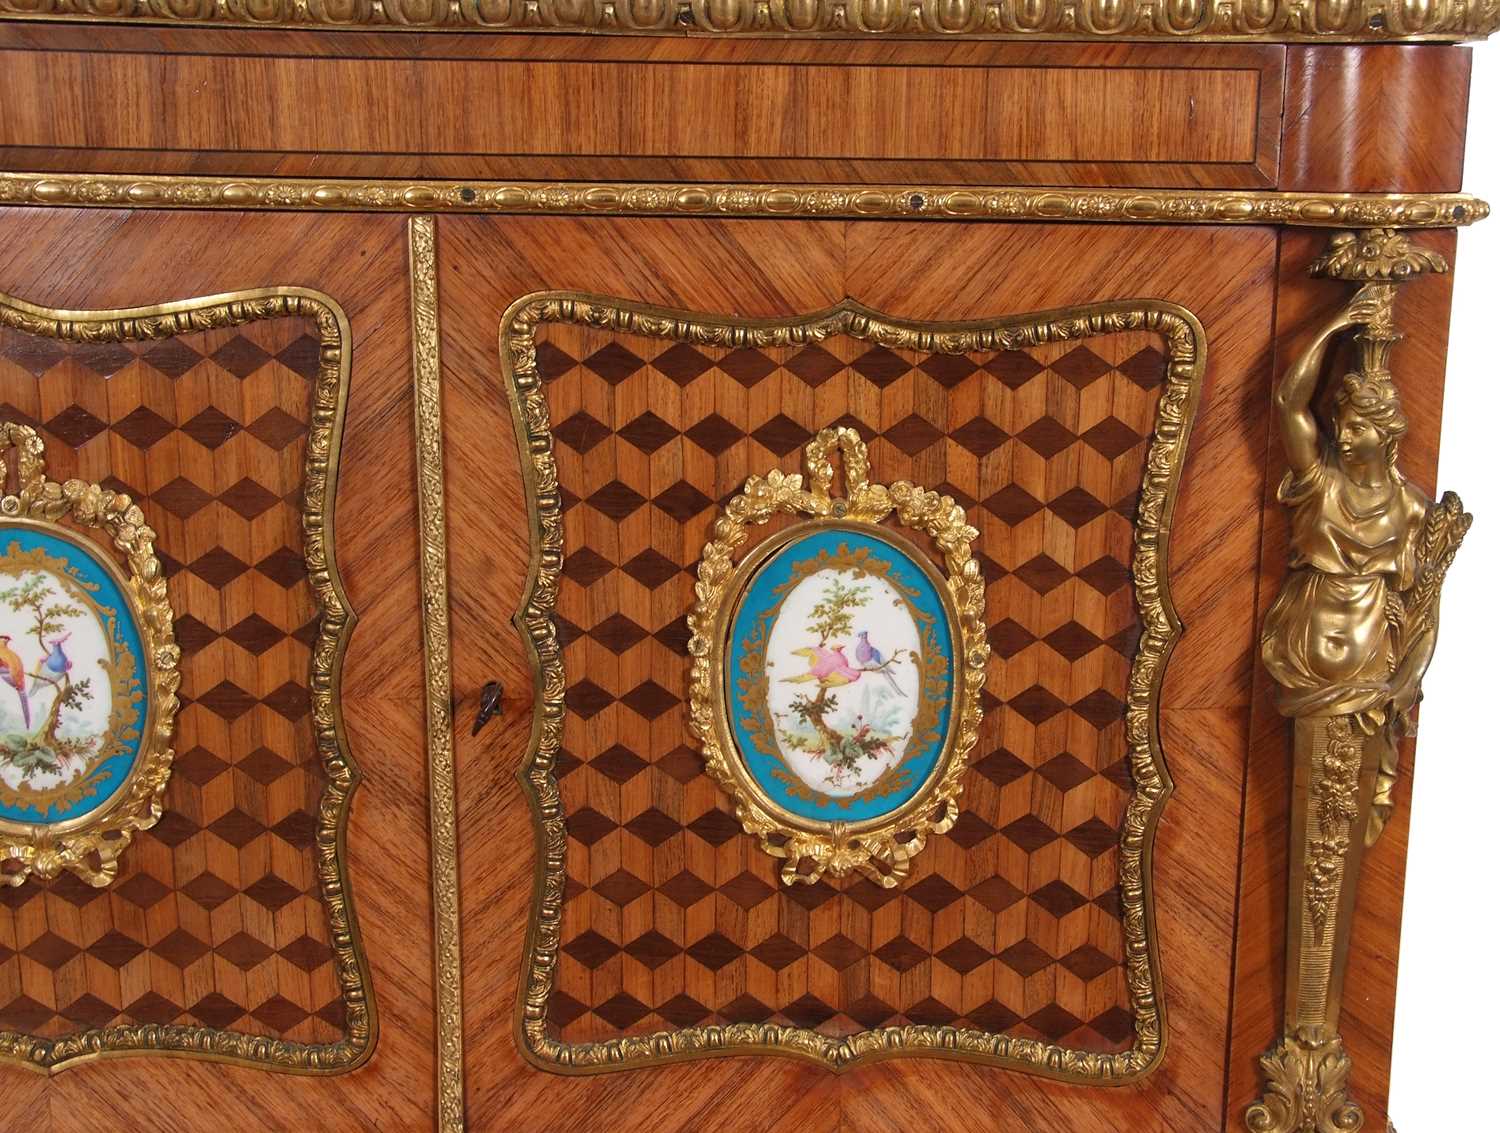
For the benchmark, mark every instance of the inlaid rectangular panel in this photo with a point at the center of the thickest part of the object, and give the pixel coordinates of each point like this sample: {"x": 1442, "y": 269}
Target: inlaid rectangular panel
{"x": 218, "y": 920}
{"x": 1011, "y": 923}
{"x": 595, "y": 109}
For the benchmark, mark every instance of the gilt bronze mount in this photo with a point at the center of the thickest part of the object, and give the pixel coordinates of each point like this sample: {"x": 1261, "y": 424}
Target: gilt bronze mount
{"x": 1347, "y": 642}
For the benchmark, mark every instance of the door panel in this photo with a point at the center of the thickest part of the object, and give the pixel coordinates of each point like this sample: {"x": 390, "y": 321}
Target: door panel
{"x": 639, "y": 775}
{"x": 255, "y": 899}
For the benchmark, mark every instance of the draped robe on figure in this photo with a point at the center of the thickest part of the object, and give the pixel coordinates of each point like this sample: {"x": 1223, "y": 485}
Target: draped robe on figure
{"x": 1328, "y": 638}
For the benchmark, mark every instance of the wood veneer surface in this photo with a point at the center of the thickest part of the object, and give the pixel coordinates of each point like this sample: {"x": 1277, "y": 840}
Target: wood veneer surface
{"x": 258, "y": 102}
{"x": 1381, "y": 120}
{"x": 1012, "y": 922}
{"x": 91, "y": 260}
{"x": 249, "y": 949}
{"x": 1126, "y": 115}
{"x": 963, "y": 272}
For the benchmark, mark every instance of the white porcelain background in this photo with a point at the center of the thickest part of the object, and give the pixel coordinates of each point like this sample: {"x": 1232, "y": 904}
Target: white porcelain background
{"x": 871, "y": 698}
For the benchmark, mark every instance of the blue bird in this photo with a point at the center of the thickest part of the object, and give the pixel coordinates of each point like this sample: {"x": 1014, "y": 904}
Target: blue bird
{"x": 869, "y": 657}
{"x": 58, "y": 663}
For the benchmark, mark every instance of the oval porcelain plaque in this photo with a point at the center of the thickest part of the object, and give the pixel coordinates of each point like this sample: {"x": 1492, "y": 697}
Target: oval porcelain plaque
{"x": 837, "y": 666}
{"x": 840, "y": 675}
{"x": 72, "y": 679}
{"x": 88, "y": 673}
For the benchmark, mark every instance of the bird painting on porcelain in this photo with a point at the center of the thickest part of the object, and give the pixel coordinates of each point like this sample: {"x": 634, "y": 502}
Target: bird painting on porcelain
{"x": 840, "y": 667}
{"x": 69, "y": 681}
{"x": 843, "y": 668}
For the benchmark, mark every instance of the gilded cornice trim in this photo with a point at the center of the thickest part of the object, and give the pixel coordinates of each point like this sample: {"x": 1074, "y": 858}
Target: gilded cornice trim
{"x": 437, "y": 659}
{"x": 1185, "y": 350}
{"x": 335, "y": 623}
{"x": 1119, "y": 206}
{"x": 1277, "y": 21}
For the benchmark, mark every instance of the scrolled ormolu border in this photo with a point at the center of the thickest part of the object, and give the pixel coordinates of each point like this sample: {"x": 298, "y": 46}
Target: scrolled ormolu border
{"x": 325, "y": 431}
{"x": 1278, "y": 21}
{"x": 1161, "y": 628}
{"x": 437, "y": 664}
{"x": 830, "y": 202}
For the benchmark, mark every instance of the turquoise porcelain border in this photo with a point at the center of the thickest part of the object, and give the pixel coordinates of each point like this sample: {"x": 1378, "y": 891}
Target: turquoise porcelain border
{"x": 754, "y": 683}
{"x": 89, "y": 597}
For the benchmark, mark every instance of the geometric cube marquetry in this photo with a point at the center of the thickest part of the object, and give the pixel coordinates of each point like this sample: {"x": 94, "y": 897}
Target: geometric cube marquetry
{"x": 216, "y": 919}
{"x": 1008, "y": 923}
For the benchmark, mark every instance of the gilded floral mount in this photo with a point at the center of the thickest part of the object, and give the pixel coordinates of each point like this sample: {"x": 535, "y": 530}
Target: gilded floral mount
{"x": 1347, "y": 641}
{"x": 88, "y": 674}
{"x": 836, "y": 696}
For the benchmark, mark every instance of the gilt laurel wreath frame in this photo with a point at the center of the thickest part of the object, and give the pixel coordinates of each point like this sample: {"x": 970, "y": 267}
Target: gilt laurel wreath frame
{"x": 880, "y": 848}
{"x": 91, "y": 844}
{"x": 1185, "y": 350}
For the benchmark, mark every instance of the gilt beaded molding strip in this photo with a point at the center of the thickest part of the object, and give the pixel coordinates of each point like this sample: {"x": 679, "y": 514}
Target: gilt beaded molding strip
{"x": 336, "y": 621}
{"x": 1185, "y": 350}
{"x": 1142, "y": 206}
{"x": 1280, "y": 21}
{"x": 437, "y": 661}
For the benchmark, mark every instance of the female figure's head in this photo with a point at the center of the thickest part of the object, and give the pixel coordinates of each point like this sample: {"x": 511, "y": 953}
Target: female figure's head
{"x": 1368, "y": 421}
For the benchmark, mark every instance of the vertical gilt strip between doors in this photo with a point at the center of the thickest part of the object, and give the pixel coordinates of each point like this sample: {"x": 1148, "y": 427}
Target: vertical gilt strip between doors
{"x": 437, "y": 665}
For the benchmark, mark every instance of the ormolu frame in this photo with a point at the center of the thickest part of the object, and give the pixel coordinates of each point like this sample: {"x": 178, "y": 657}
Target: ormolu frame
{"x": 881, "y": 848}
{"x": 329, "y": 395}
{"x": 1185, "y": 342}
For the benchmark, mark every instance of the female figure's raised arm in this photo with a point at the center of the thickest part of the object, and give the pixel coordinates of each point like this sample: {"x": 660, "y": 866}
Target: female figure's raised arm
{"x": 1294, "y": 396}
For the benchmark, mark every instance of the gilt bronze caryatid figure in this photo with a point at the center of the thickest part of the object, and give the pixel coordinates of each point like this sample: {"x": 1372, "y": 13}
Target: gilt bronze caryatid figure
{"x": 1347, "y": 641}
{"x": 1352, "y": 631}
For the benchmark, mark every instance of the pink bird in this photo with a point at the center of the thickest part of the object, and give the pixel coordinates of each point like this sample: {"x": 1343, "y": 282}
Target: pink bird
{"x": 828, "y": 666}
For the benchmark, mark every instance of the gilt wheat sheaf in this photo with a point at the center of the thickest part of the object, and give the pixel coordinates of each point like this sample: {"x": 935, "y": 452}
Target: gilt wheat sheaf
{"x": 1024, "y": 935}
{"x": 229, "y": 933}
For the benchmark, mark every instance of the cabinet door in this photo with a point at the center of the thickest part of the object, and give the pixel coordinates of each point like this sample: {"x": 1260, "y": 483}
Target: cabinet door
{"x": 244, "y": 380}
{"x": 1053, "y": 936}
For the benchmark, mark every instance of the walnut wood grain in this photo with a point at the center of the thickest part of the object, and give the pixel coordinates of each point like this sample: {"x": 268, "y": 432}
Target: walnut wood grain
{"x": 1387, "y": 119}
{"x": 76, "y": 260}
{"x": 1093, "y": 115}
{"x": 958, "y": 272}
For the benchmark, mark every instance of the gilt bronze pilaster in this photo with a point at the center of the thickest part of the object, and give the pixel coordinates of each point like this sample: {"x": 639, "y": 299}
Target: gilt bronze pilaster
{"x": 1347, "y": 641}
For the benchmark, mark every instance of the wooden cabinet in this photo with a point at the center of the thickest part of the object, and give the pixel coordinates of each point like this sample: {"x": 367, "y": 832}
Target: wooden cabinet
{"x": 436, "y": 362}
